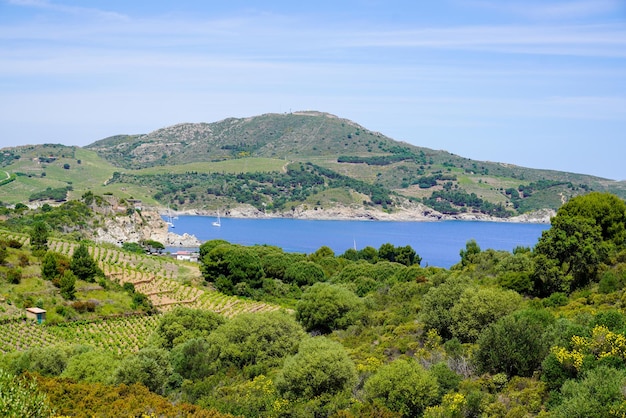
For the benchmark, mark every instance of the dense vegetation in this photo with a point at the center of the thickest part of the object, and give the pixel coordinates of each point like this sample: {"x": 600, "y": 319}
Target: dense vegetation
{"x": 536, "y": 332}
{"x": 265, "y": 191}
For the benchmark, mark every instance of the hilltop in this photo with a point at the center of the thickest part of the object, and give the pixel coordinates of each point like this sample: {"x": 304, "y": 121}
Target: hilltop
{"x": 301, "y": 164}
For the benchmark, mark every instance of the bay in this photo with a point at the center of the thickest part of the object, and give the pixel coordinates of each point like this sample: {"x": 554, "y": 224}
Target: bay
{"x": 438, "y": 243}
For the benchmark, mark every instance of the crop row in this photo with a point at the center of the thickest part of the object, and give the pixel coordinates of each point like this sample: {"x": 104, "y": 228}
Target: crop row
{"x": 155, "y": 277}
{"x": 118, "y": 335}
{"x": 20, "y": 335}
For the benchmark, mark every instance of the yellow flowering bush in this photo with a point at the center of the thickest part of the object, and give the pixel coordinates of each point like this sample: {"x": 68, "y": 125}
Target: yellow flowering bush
{"x": 452, "y": 406}
{"x": 602, "y": 343}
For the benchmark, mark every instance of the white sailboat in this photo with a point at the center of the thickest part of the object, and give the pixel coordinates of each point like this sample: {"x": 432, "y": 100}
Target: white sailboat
{"x": 169, "y": 218}
{"x": 218, "y": 222}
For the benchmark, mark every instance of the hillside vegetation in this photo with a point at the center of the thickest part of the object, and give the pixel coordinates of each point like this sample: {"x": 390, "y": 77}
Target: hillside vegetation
{"x": 190, "y": 166}
{"x": 258, "y": 332}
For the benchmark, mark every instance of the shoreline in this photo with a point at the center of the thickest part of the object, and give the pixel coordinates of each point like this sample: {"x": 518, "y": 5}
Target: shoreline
{"x": 421, "y": 214}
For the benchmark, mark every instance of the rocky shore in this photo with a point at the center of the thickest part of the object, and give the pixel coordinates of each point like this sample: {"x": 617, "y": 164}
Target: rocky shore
{"x": 139, "y": 227}
{"x": 149, "y": 225}
{"x": 410, "y": 212}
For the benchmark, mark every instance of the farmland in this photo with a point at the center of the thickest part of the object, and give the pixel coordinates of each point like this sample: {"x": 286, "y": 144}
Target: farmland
{"x": 166, "y": 282}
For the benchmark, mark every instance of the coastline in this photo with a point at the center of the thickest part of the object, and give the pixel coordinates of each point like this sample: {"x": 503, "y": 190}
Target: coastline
{"x": 414, "y": 213}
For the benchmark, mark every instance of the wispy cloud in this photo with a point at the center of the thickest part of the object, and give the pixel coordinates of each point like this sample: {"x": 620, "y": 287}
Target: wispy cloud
{"x": 561, "y": 10}
{"x": 71, "y": 10}
{"x": 585, "y": 40}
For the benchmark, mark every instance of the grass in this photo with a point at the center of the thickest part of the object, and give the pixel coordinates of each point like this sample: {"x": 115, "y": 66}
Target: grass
{"x": 243, "y": 165}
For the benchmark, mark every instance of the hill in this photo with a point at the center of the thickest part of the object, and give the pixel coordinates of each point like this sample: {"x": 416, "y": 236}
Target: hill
{"x": 278, "y": 163}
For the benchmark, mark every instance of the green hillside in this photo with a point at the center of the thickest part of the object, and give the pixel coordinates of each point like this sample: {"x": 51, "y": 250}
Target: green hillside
{"x": 189, "y": 166}
{"x": 537, "y": 332}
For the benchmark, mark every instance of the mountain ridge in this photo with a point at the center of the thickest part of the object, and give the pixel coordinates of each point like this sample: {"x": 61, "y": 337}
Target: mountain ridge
{"x": 196, "y": 166}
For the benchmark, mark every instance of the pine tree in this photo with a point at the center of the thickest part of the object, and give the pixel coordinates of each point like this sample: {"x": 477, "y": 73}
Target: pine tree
{"x": 68, "y": 285}
{"x": 39, "y": 237}
{"x": 83, "y": 265}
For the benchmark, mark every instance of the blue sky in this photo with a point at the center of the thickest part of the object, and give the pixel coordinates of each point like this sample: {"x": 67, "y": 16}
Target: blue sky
{"x": 538, "y": 83}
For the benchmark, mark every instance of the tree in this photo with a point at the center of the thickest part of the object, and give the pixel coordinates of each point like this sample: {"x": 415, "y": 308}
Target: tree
{"x": 513, "y": 345}
{"x": 598, "y": 394}
{"x": 68, "y": 285}
{"x": 209, "y": 245}
{"x": 322, "y": 252}
{"x": 568, "y": 255}
{"x": 403, "y": 255}
{"x": 91, "y": 366}
{"x": 150, "y": 367}
{"x": 47, "y": 361}
{"x": 183, "y": 324}
{"x": 304, "y": 273}
{"x": 471, "y": 249}
{"x": 478, "y": 307}
{"x": 133, "y": 247}
{"x": 49, "y": 266}
{"x": 437, "y": 305}
{"x": 39, "y": 237}
{"x": 193, "y": 359}
{"x": 325, "y": 307}
{"x": 275, "y": 264}
{"x": 584, "y": 232}
{"x": 154, "y": 246}
{"x": 83, "y": 265}
{"x": 233, "y": 269}
{"x": 403, "y": 386}
{"x": 255, "y": 342}
{"x": 320, "y": 367}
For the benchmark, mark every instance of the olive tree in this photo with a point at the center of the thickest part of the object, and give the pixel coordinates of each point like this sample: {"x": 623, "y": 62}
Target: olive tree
{"x": 183, "y": 324}
{"x": 320, "y": 367}
{"x": 255, "y": 342}
{"x": 325, "y": 307}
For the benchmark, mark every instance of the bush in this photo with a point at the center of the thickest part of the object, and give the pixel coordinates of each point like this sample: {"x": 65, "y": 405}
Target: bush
{"x": 403, "y": 386}
{"x": 84, "y": 306}
{"x": 513, "y": 345}
{"x": 325, "y": 307}
{"x": 14, "y": 276}
{"x": 320, "y": 367}
{"x": 183, "y": 324}
{"x": 304, "y": 273}
{"x": 20, "y": 397}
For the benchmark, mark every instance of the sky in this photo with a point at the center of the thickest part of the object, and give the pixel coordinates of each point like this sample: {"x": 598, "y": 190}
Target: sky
{"x": 537, "y": 83}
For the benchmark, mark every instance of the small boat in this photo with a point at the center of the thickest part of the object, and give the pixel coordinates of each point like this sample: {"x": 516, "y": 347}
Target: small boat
{"x": 169, "y": 218}
{"x": 218, "y": 222}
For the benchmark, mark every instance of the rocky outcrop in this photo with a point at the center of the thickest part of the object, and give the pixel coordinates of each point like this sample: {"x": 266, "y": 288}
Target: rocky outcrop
{"x": 147, "y": 225}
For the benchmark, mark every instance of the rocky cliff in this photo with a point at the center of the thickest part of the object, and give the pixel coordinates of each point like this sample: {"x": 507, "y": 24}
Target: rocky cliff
{"x": 140, "y": 226}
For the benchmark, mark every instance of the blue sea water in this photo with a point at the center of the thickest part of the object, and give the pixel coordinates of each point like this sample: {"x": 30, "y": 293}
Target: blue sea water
{"x": 438, "y": 243}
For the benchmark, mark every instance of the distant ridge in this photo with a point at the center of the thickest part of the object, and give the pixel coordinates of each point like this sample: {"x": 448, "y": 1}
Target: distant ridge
{"x": 313, "y": 159}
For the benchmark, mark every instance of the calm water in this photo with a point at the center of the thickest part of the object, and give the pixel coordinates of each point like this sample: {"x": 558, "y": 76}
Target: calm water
{"x": 438, "y": 243}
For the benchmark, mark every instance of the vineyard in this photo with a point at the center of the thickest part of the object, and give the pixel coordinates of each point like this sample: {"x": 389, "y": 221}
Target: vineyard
{"x": 118, "y": 335}
{"x": 165, "y": 281}
{"x": 20, "y": 335}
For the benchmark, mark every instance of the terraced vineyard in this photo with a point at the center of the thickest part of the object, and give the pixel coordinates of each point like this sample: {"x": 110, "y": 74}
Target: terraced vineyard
{"x": 161, "y": 278}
